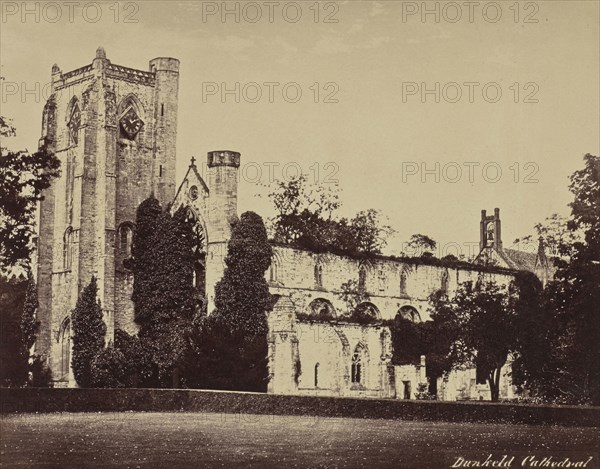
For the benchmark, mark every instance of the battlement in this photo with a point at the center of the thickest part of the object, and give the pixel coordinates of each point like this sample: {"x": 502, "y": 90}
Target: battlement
{"x": 119, "y": 72}
{"x": 223, "y": 158}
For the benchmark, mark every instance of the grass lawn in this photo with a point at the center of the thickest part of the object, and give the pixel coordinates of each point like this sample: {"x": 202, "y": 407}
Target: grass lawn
{"x": 174, "y": 440}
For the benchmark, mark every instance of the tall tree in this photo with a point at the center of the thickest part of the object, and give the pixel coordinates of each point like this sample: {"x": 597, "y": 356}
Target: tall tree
{"x": 233, "y": 340}
{"x": 575, "y": 296}
{"x": 23, "y": 177}
{"x": 29, "y": 324}
{"x": 144, "y": 259}
{"x": 482, "y": 318}
{"x": 557, "y": 237}
{"x": 165, "y": 300}
{"x": 88, "y": 333}
{"x": 368, "y": 232}
{"x": 13, "y": 360}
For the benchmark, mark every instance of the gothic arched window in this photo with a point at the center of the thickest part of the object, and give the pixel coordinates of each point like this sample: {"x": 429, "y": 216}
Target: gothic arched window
{"x": 445, "y": 281}
{"x": 273, "y": 270}
{"x": 362, "y": 279}
{"x": 125, "y": 239}
{"x": 410, "y": 313}
{"x": 64, "y": 338}
{"x": 321, "y": 308}
{"x": 358, "y": 365}
{"x": 403, "y": 283}
{"x": 68, "y": 249}
{"x": 318, "y": 275}
{"x": 366, "y": 309}
{"x": 74, "y": 122}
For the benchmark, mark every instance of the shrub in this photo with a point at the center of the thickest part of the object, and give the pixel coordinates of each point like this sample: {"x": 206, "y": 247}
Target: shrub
{"x": 41, "y": 375}
{"x": 108, "y": 369}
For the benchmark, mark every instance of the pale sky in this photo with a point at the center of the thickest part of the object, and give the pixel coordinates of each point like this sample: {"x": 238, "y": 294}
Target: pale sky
{"x": 377, "y": 137}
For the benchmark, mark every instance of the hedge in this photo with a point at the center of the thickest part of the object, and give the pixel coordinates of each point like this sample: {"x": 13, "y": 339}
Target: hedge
{"x": 44, "y": 400}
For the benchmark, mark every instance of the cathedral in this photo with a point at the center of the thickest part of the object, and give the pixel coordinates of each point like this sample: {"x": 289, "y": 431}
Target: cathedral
{"x": 114, "y": 129}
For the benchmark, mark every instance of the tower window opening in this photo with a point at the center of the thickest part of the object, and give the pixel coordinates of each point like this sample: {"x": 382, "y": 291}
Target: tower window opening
{"x": 318, "y": 275}
{"x": 160, "y": 170}
{"x": 68, "y": 249}
{"x": 162, "y": 110}
{"x": 125, "y": 239}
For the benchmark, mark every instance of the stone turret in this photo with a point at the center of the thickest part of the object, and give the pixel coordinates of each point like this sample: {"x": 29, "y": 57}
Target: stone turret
{"x": 223, "y": 167}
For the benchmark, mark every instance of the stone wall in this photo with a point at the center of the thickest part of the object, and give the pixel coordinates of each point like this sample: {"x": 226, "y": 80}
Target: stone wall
{"x": 318, "y": 358}
{"x": 390, "y": 284}
{"x": 301, "y": 349}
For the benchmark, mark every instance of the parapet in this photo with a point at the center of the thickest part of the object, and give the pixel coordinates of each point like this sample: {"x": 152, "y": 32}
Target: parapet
{"x": 224, "y": 158}
{"x": 164, "y": 64}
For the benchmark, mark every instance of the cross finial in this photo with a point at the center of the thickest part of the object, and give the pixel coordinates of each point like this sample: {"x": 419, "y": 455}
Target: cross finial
{"x": 193, "y": 161}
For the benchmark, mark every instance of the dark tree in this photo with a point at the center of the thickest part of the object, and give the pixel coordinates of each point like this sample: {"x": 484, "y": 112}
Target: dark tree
{"x": 574, "y": 296}
{"x": 23, "y": 177}
{"x": 307, "y": 218}
{"x": 88, "y": 333}
{"x": 13, "y": 354}
{"x": 421, "y": 244}
{"x": 232, "y": 344}
{"x": 29, "y": 324}
{"x": 407, "y": 340}
{"x": 482, "y": 318}
{"x": 242, "y": 296}
{"x": 165, "y": 300}
{"x": 144, "y": 259}
{"x": 139, "y": 369}
{"x": 108, "y": 369}
{"x": 535, "y": 337}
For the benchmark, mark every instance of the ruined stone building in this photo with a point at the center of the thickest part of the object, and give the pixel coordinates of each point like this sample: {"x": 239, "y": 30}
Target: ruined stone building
{"x": 114, "y": 129}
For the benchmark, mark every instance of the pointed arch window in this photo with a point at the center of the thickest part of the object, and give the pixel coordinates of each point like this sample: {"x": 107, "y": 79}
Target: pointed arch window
{"x": 403, "y": 277}
{"x": 358, "y": 365}
{"x": 273, "y": 270}
{"x": 64, "y": 339}
{"x": 317, "y": 365}
{"x": 68, "y": 249}
{"x": 445, "y": 277}
{"x": 410, "y": 313}
{"x": 318, "y": 275}
{"x": 74, "y": 122}
{"x": 362, "y": 279}
{"x": 126, "y": 231}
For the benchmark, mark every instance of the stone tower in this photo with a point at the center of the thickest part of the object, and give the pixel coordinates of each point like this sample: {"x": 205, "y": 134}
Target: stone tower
{"x": 221, "y": 214}
{"x": 490, "y": 231}
{"x": 114, "y": 129}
